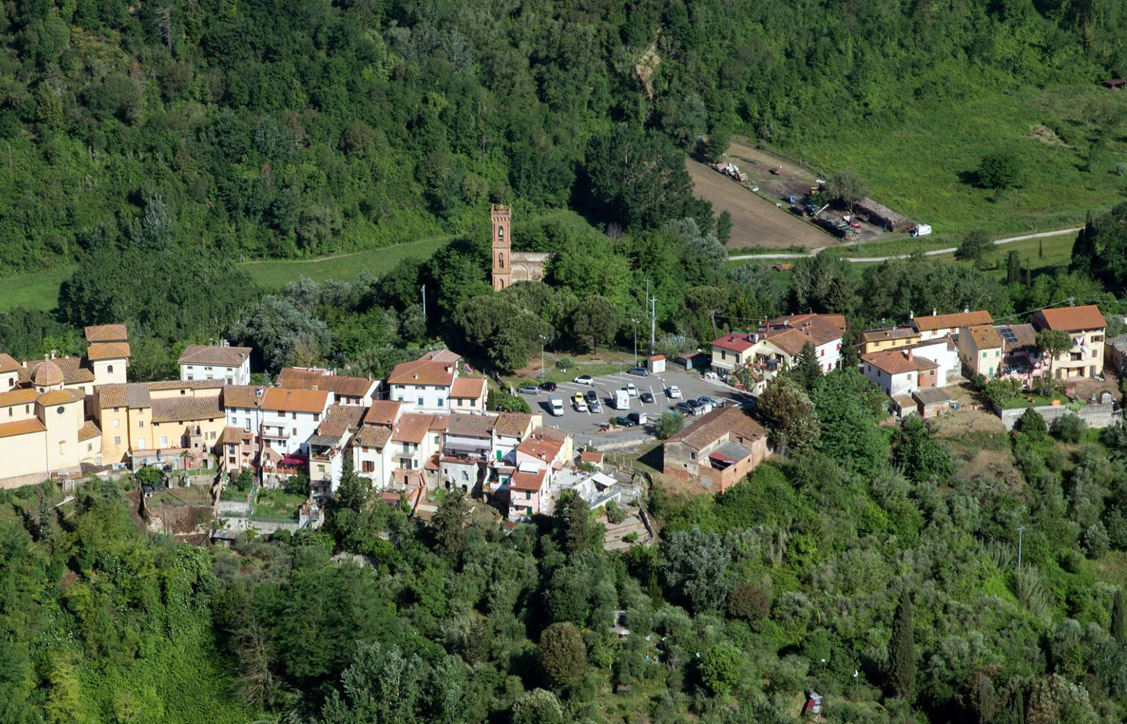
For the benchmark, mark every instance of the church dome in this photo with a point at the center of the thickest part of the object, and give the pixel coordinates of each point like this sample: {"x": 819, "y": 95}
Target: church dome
{"x": 47, "y": 374}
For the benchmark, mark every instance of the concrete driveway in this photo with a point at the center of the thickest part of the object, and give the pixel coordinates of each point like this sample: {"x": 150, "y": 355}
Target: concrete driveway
{"x": 585, "y": 426}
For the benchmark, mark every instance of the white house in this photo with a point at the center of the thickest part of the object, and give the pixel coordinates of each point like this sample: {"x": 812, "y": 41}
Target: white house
{"x": 899, "y": 372}
{"x": 242, "y": 406}
{"x": 358, "y": 391}
{"x": 425, "y": 384}
{"x": 291, "y": 417}
{"x": 330, "y": 446}
{"x": 415, "y": 438}
{"x": 943, "y": 351}
{"x": 508, "y": 431}
{"x": 216, "y": 362}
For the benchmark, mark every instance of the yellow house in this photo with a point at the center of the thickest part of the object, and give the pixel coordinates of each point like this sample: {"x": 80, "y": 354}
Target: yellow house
{"x": 139, "y": 419}
{"x": 1086, "y": 326}
{"x": 880, "y": 340}
{"x": 980, "y": 349}
{"x": 43, "y": 433}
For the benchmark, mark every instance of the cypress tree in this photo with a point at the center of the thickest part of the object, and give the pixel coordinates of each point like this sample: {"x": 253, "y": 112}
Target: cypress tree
{"x": 902, "y": 651}
{"x": 1119, "y": 617}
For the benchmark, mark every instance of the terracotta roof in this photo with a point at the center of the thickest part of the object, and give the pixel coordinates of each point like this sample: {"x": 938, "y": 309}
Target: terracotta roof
{"x": 468, "y": 388}
{"x": 243, "y": 396}
{"x": 231, "y": 435}
{"x": 60, "y": 397}
{"x": 715, "y": 425}
{"x": 382, "y": 412}
{"x": 373, "y": 436}
{"x": 21, "y": 427}
{"x": 133, "y": 394}
{"x": 137, "y": 395}
{"x": 931, "y": 396}
{"x": 412, "y": 427}
{"x": 183, "y": 409}
{"x": 73, "y": 371}
{"x": 8, "y": 363}
{"x": 423, "y": 371}
{"x": 314, "y": 379}
{"x": 984, "y": 336}
{"x": 20, "y": 396}
{"x": 46, "y": 374}
{"x": 201, "y": 354}
{"x": 339, "y": 419}
{"x": 591, "y": 456}
{"x": 438, "y": 422}
{"x": 835, "y": 320}
{"x": 952, "y": 321}
{"x": 283, "y": 400}
{"x": 1072, "y": 319}
{"x": 734, "y": 342}
{"x": 88, "y": 431}
{"x": 540, "y": 447}
{"x": 513, "y": 424}
{"x": 528, "y": 481}
{"x": 880, "y": 335}
{"x": 107, "y": 333}
{"x": 471, "y": 425}
{"x": 895, "y": 362}
{"x": 442, "y": 355}
{"x": 107, "y": 350}
{"x": 790, "y": 341}
{"x": 1023, "y": 335}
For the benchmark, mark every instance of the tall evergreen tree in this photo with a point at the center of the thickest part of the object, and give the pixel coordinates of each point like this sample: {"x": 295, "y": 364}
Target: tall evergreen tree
{"x": 806, "y": 370}
{"x": 449, "y": 522}
{"x": 902, "y": 651}
{"x": 1119, "y": 617}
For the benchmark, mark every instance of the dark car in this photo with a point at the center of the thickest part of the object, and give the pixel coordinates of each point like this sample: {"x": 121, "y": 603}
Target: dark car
{"x": 637, "y": 418}
{"x": 592, "y": 397}
{"x": 623, "y": 422}
{"x": 548, "y": 386}
{"x": 647, "y": 397}
{"x": 639, "y": 371}
{"x": 528, "y": 389}
{"x": 684, "y": 408}
{"x": 714, "y": 401}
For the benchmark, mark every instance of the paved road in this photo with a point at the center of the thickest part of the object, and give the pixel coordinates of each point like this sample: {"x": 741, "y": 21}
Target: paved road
{"x": 584, "y": 426}
{"x": 933, "y": 252}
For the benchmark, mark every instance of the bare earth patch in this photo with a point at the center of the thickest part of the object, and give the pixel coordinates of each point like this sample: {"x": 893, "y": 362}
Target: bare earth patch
{"x": 1046, "y": 135}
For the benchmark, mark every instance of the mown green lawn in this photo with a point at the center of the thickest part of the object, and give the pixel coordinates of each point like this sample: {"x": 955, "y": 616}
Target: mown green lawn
{"x": 39, "y": 290}
{"x": 346, "y": 267}
{"x": 922, "y": 163}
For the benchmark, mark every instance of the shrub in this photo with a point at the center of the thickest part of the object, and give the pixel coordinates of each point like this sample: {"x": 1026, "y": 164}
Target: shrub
{"x": 501, "y": 400}
{"x": 720, "y": 668}
{"x": 999, "y": 171}
{"x": 1068, "y": 428}
{"x": 562, "y": 654}
{"x": 615, "y": 514}
{"x": 748, "y": 602}
{"x": 563, "y": 364}
{"x": 669, "y": 424}
{"x": 1032, "y": 425}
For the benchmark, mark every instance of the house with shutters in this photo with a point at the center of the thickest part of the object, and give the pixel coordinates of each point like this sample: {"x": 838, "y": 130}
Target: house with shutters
{"x": 372, "y": 450}
{"x": 291, "y": 417}
{"x": 425, "y": 384}
{"x": 467, "y": 450}
{"x": 716, "y": 450}
{"x": 222, "y": 362}
{"x": 899, "y": 372}
{"x": 777, "y": 343}
{"x": 1086, "y": 327}
{"x": 980, "y": 350}
{"x": 948, "y": 325}
{"x": 329, "y": 448}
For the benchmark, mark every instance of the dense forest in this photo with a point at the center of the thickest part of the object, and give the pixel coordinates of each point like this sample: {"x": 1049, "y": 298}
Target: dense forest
{"x": 878, "y": 565}
{"x": 299, "y": 128}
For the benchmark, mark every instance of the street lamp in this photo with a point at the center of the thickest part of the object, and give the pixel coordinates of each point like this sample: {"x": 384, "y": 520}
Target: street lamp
{"x": 543, "y": 340}
{"x": 635, "y": 321}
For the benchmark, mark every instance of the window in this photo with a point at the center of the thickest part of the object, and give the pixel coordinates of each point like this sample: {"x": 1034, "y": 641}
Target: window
{"x": 316, "y": 417}
{"x": 109, "y": 369}
{"x": 527, "y": 496}
{"x": 368, "y": 466}
{"x": 117, "y": 439}
{"x": 59, "y": 409}
{"x": 461, "y": 402}
{"x": 293, "y": 415}
{"x": 420, "y": 402}
{"x": 140, "y": 423}
{"x": 89, "y": 447}
{"x": 163, "y": 441}
{"x": 294, "y": 431}
{"x": 442, "y": 402}
{"x": 246, "y": 426}
{"x": 117, "y": 423}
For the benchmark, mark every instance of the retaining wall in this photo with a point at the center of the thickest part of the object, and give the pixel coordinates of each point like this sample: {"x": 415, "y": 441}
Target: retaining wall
{"x": 1096, "y": 414}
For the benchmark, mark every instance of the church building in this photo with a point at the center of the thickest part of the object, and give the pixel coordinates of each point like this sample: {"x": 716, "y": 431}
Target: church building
{"x": 509, "y": 266}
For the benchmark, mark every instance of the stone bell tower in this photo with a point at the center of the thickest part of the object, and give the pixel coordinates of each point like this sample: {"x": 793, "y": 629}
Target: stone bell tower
{"x": 502, "y": 246}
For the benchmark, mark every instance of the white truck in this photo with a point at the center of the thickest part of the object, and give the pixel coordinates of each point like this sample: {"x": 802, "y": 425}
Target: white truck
{"x": 621, "y": 400}
{"x": 557, "y": 405}
{"x": 922, "y": 230}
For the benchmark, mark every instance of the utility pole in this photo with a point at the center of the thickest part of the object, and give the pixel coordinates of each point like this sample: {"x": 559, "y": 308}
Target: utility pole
{"x": 635, "y": 321}
{"x": 653, "y": 323}
{"x": 543, "y": 341}
{"x": 423, "y": 290}
{"x": 1020, "y": 530}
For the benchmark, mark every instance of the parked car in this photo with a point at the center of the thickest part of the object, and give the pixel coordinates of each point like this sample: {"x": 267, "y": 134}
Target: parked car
{"x": 711, "y": 375}
{"x": 548, "y": 386}
{"x": 705, "y": 405}
{"x": 596, "y": 406}
{"x": 528, "y": 390}
{"x": 580, "y": 405}
{"x": 695, "y": 407}
{"x": 674, "y": 392}
{"x": 584, "y": 380}
{"x": 647, "y": 397}
{"x": 714, "y": 401}
{"x": 638, "y": 418}
{"x": 684, "y": 408}
{"x": 623, "y": 422}
{"x": 638, "y": 371}
{"x": 591, "y": 397}
{"x": 577, "y": 397}
{"x": 556, "y": 406}
{"x": 631, "y": 389}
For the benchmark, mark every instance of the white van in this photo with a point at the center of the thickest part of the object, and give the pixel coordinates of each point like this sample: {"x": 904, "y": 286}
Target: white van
{"x": 621, "y": 400}
{"x": 557, "y": 405}
{"x": 922, "y": 230}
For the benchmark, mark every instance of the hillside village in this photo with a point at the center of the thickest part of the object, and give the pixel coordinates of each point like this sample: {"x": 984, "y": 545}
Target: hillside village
{"x": 427, "y": 426}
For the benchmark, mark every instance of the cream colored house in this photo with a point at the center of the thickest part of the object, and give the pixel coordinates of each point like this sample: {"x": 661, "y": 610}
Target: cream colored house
{"x": 980, "y": 350}
{"x": 1086, "y": 326}
{"x": 42, "y": 433}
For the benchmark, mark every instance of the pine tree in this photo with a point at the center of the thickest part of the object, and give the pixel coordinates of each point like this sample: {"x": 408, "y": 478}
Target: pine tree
{"x": 1119, "y": 617}
{"x": 449, "y": 522}
{"x": 807, "y": 371}
{"x": 902, "y": 651}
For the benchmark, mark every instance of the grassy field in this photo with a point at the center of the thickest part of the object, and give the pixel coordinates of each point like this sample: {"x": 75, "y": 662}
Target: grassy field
{"x": 274, "y": 274}
{"x": 922, "y": 164}
{"x": 33, "y": 291}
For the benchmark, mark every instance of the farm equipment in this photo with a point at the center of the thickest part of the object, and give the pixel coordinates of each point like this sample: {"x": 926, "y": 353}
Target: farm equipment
{"x": 791, "y": 198}
{"x": 730, "y": 170}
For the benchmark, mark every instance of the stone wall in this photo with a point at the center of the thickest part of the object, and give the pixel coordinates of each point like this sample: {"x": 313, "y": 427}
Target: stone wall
{"x": 1096, "y": 415}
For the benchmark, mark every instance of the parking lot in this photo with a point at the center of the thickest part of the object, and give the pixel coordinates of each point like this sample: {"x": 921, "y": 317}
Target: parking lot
{"x": 591, "y": 427}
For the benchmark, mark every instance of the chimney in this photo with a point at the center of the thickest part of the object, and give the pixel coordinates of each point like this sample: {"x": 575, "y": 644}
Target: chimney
{"x": 966, "y": 310}
{"x": 907, "y": 354}
{"x": 934, "y": 311}
{"x": 911, "y": 315}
